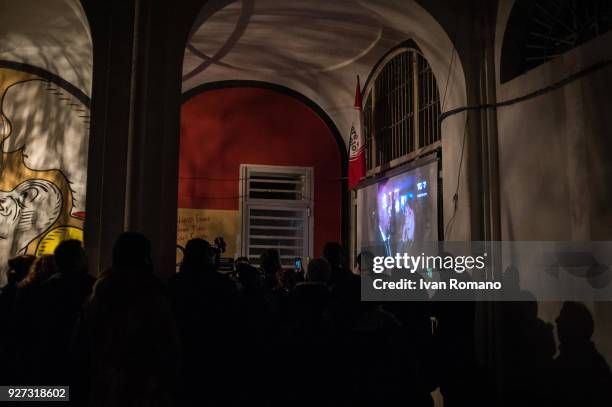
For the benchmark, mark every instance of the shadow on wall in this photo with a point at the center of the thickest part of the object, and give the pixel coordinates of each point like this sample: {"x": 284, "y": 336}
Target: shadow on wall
{"x": 44, "y": 137}
{"x": 578, "y": 375}
{"x": 555, "y": 164}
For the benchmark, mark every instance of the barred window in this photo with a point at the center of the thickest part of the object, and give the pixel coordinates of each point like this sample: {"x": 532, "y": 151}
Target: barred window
{"x": 539, "y": 31}
{"x": 401, "y": 109}
{"x": 276, "y": 212}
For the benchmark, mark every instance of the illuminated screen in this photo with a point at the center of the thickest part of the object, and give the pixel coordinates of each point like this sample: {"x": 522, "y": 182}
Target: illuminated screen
{"x": 399, "y": 210}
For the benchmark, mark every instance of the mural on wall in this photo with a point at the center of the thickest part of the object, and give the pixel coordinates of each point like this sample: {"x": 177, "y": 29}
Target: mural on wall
{"x": 44, "y": 132}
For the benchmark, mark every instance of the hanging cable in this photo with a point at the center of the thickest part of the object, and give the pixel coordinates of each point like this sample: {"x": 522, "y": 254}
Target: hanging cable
{"x": 580, "y": 74}
{"x": 451, "y": 221}
{"x": 571, "y": 78}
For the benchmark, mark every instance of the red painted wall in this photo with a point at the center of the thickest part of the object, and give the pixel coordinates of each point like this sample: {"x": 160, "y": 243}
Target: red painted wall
{"x": 223, "y": 128}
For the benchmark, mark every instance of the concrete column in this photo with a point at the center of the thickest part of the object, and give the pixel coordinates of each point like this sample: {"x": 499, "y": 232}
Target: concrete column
{"x": 134, "y": 140}
{"x": 111, "y": 26}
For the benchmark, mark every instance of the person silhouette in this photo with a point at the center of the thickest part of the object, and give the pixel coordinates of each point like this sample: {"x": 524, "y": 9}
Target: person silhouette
{"x": 205, "y": 307}
{"x": 581, "y": 374}
{"x": 126, "y": 347}
{"x": 18, "y": 269}
{"x": 31, "y": 344}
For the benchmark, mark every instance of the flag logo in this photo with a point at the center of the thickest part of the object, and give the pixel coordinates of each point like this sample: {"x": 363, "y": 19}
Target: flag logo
{"x": 355, "y": 144}
{"x": 357, "y": 165}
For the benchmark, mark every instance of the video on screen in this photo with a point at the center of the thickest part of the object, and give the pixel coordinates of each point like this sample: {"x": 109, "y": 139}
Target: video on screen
{"x": 400, "y": 210}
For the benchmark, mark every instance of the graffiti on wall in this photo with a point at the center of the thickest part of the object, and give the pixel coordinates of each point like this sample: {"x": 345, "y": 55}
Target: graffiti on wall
{"x": 209, "y": 224}
{"x": 44, "y": 132}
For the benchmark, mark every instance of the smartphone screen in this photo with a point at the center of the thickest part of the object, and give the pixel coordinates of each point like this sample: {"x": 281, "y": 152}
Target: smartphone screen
{"x": 298, "y": 263}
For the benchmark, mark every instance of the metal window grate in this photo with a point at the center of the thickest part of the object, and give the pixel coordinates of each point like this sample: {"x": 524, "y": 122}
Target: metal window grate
{"x": 401, "y": 110}
{"x": 281, "y": 229}
{"x": 429, "y": 104}
{"x": 283, "y": 186}
{"x": 276, "y": 212}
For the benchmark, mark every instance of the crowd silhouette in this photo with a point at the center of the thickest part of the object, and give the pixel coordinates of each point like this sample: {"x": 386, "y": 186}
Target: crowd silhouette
{"x": 273, "y": 336}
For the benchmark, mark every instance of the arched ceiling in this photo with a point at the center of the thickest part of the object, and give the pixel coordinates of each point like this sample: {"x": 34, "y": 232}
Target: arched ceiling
{"x": 316, "y": 47}
{"x": 49, "y": 34}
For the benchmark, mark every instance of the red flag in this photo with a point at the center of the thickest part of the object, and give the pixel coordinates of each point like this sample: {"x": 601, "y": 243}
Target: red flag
{"x": 357, "y": 164}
